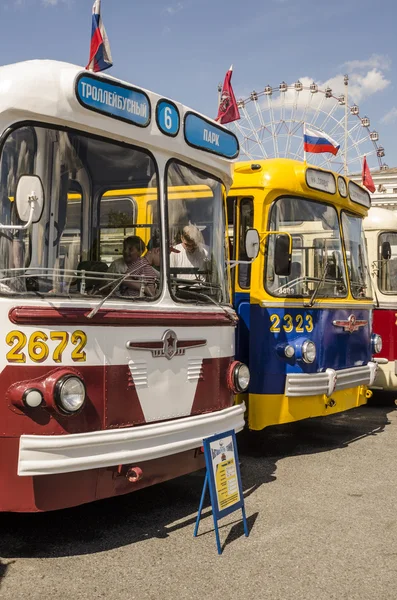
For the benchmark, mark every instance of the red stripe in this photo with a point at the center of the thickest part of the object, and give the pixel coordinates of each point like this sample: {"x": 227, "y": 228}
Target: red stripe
{"x": 31, "y": 315}
{"x": 96, "y": 41}
{"x": 319, "y": 148}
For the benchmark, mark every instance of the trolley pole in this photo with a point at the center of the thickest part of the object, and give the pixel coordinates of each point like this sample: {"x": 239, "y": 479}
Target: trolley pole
{"x": 346, "y": 82}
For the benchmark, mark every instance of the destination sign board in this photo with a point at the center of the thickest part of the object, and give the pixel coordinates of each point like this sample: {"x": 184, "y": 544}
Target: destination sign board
{"x": 113, "y": 99}
{"x": 205, "y": 135}
{"x": 358, "y": 195}
{"x": 321, "y": 180}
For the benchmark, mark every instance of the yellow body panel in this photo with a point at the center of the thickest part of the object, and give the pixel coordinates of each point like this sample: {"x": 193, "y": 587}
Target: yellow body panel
{"x": 265, "y": 410}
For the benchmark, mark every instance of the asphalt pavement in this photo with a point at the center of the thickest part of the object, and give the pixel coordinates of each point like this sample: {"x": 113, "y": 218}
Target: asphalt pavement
{"x": 320, "y": 498}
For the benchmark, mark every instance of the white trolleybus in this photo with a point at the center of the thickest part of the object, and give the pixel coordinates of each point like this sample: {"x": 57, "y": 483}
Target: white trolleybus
{"x": 116, "y": 349}
{"x": 381, "y": 234}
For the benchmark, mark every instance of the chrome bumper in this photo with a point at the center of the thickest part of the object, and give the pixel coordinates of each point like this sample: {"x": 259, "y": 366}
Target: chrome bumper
{"x": 50, "y": 454}
{"x": 313, "y": 384}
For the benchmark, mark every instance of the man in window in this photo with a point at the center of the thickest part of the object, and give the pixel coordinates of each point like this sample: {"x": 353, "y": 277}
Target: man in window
{"x": 191, "y": 253}
{"x": 143, "y": 275}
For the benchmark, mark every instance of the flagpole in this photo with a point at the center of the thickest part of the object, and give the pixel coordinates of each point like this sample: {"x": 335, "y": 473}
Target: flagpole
{"x": 346, "y": 82}
{"x": 304, "y": 151}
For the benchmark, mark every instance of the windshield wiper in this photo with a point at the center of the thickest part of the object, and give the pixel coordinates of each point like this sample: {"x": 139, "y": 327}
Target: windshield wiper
{"x": 316, "y": 289}
{"x": 94, "y": 311}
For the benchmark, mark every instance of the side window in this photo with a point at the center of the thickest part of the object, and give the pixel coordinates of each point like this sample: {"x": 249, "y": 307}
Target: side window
{"x": 387, "y": 261}
{"x": 230, "y": 211}
{"x": 17, "y": 158}
{"x": 70, "y": 240}
{"x": 117, "y": 220}
{"x": 246, "y": 220}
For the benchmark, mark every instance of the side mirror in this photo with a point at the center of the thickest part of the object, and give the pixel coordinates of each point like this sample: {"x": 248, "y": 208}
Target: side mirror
{"x": 282, "y": 255}
{"x": 252, "y": 243}
{"x": 386, "y": 250}
{"x": 29, "y": 199}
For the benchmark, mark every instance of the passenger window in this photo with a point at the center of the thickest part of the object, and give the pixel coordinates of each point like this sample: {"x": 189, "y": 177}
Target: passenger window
{"x": 246, "y": 211}
{"x": 70, "y": 240}
{"x": 117, "y": 221}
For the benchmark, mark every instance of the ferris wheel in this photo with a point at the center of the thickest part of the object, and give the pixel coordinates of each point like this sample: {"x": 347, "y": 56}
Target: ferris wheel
{"x": 272, "y": 123}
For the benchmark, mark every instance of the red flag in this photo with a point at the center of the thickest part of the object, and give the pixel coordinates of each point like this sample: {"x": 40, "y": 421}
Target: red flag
{"x": 367, "y": 180}
{"x": 227, "y": 110}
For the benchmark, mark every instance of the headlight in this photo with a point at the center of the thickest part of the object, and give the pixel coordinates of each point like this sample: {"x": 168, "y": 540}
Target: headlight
{"x": 69, "y": 394}
{"x": 238, "y": 377}
{"x": 309, "y": 351}
{"x": 376, "y": 343}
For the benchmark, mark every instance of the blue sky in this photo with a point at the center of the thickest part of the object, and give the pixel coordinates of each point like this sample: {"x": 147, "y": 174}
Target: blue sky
{"x": 182, "y": 48}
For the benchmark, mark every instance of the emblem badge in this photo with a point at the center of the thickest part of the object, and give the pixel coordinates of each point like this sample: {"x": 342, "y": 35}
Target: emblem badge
{"x": 351, "y": 324}
{"x": 170, "y": 344}
{"x": 225, "y": 102}
{"x": 168, "y": 347}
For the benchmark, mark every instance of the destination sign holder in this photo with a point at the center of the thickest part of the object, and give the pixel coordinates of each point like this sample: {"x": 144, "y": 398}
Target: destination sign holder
{"x": 113, "y": 99}
{"x": 224, "y": 481}
{"x": 207, "y": 135}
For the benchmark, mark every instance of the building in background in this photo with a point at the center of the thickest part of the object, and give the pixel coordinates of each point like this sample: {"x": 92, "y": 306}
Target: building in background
{"x": 385, "y": 181}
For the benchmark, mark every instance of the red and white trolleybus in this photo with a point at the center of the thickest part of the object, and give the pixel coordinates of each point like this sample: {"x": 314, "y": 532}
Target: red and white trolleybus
{"x": 381, "y": 234}
{"x": 113, "y": 367}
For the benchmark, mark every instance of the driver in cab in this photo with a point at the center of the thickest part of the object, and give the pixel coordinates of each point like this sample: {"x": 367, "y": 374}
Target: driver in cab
{"x": 141, "y": 268}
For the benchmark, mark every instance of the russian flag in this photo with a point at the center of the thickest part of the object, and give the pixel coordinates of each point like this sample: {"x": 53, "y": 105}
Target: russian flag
{"x": 100, "y": 56}
{"x": 318, "y": 142}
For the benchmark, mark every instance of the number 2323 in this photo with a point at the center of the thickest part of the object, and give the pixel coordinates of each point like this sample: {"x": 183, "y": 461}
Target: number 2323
{"x": 38, "y": 349}
{"x": 301, "y": 324}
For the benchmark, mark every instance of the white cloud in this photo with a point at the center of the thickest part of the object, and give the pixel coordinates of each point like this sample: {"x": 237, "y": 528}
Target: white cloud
{"x": 55, "y": 2}
{"x": 362, "y": 84}
{"x": 376, "y": 61}
{"x": 390, "y": 117}
{"x": 174, "y": 8}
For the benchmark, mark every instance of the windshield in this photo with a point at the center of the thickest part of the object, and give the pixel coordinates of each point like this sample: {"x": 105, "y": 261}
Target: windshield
{"x": 317, "y": 261}
{"x": 196, "y": 231}
{"x": 387, "y": 271}
{"x": 356, "y": 256}
{"x": 95, "y": 226}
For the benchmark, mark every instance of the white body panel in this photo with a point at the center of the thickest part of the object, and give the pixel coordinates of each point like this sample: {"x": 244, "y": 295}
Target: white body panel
{"x": 47, "y": 95}
{"x": 44, "y": 455}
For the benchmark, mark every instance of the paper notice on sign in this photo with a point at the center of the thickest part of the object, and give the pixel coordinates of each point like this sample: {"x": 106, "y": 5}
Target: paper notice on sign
{"x": 225, "y": 473}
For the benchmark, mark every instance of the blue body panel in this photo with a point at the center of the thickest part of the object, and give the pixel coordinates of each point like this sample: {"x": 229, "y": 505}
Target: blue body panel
{"x": 262, "y": 349}
{"x": 242, "y": 307}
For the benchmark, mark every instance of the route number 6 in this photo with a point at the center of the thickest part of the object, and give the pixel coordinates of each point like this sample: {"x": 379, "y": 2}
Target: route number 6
{"x": 168, "y": 117}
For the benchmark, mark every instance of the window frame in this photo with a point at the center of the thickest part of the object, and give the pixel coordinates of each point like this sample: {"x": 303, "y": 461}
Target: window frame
{"x": 209, "y": 175}
{"x": 368, "y": 276}
{"x": 92, "y": 226}
{"x": 378, "y": 278}
{"x": 266, "y": 252}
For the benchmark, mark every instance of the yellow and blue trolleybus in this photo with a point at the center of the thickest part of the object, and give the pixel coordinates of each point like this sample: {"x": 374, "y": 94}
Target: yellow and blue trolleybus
{"x": 305, "y": 303}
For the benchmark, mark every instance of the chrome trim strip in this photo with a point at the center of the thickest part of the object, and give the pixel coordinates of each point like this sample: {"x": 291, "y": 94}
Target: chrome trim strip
{"x": 313, "y": 384}
{"x": 299, "y": 304}
{"x": 50, "y": 454}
